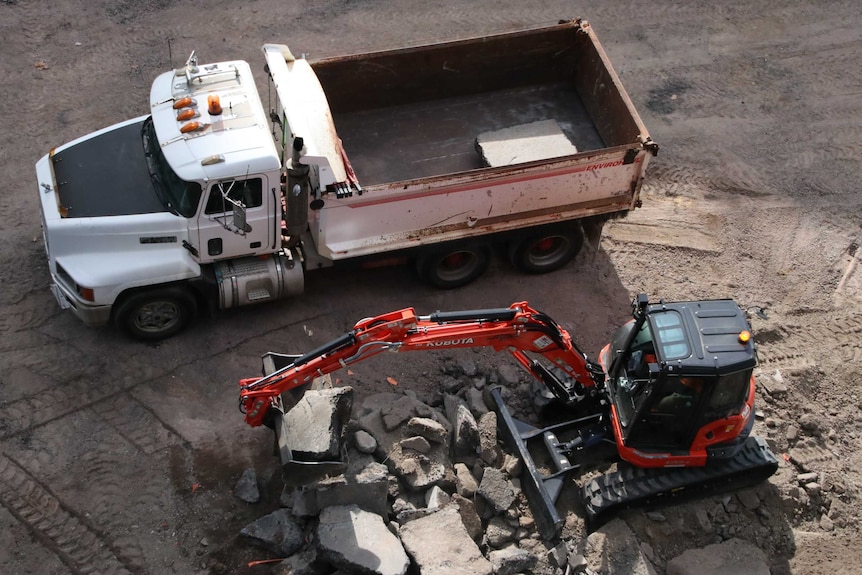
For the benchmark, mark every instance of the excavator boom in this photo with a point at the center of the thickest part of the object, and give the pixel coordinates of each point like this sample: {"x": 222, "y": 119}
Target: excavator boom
{"x": 518, "y": 329}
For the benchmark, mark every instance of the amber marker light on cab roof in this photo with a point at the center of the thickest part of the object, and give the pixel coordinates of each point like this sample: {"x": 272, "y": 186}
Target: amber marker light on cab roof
{"x": 213, "y": 105}
{"x": 184, "y": 103}
{"x": 744, "y": 336}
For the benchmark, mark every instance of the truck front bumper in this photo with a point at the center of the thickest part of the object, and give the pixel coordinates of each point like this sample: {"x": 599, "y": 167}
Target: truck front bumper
{"x": 86, "y": 312}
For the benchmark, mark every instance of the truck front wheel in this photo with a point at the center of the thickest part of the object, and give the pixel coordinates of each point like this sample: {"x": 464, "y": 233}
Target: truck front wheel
{"x": 156, "y": 314}
{"x": 454, "y": 267}
{"x": 546, "y": 251}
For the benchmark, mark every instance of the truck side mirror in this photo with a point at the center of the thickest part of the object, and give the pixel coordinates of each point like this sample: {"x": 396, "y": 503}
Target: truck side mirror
{"x": 239, "y": 221}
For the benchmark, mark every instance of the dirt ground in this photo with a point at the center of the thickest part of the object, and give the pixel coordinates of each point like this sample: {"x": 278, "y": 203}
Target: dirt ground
{"x": 118, "y": 457}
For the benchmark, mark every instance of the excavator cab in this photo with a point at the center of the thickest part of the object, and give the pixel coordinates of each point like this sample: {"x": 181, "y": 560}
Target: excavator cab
{"x": 681, "y": 383}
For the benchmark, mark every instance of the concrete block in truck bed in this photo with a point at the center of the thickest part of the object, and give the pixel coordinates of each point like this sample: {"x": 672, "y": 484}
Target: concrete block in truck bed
{"x": 524, "y": 143}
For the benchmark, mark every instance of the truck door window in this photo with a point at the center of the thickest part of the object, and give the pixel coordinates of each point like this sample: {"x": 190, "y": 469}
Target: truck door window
{"x": 223, "y": 195}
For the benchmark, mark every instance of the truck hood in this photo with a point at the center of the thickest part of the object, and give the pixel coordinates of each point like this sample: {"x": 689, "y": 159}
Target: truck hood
{"x": 105, "y": 175}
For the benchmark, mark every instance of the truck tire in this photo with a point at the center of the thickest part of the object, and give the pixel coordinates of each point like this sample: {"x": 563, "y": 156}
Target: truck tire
{"x": 547, "y": 250}
{"x": 156, "y": 314}
{"x": 455, "y": 266}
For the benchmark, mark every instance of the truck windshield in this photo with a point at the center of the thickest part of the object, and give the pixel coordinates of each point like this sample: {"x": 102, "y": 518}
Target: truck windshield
{"x": 177, "y": 195}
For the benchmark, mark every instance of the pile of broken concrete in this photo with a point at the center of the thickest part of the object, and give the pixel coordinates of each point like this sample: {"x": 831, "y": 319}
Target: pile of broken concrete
{"x": 426, "y": 488}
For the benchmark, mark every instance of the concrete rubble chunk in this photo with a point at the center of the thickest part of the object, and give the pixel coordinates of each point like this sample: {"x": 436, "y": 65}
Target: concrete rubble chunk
{"x": 469, "y": 517}
{"x": 508, "y": 375}
{"x": 511, "y": 560}
{"x": 489, "y": 448}
{"x": 359, "y": 542}
{"x": 429, "y": 429}
{"x": 465, "y": 483}
{"x": 416, "y": 443}
{"x": 733, "y": 556}
{"x": 496, "y": 490}
{"x": 278, "y": 532}
{"x": 306, "y": 562}
{"x": 499, "y": 533}
{"x": 364, "y": 441}
{"x": 476, "y": 402}
{"x": 613, "y": 550}
{"x": 440, "y": 545}
{"x": 524, "y": 143}
{"x": 417, "y": 471}
{"x": 246, "y": 488}
{"x": 436, "y": 498}
{"x": 399, "y": 411}
{"x": 465, "y": 430}
{"x": 366, "y": 487}
{"x": 315, "y": 424}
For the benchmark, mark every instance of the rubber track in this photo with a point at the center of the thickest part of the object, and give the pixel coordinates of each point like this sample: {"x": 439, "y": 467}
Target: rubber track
{"x": 608, "y": 494}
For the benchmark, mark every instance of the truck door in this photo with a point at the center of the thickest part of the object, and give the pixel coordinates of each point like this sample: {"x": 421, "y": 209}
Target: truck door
{"x": 222, "y": 234}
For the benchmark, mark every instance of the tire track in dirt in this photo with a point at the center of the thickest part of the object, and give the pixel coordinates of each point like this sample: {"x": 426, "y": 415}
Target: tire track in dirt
{"x": 75, "y": 542}
{"x": 136, "y": 423}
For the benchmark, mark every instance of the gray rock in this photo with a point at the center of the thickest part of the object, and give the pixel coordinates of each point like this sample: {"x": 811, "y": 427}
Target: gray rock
{"x": 489, "y": 449}
{"x": 496, "y": 490}
{"x": 512, "y": 465}
{"x": 316, "y": 423}
{"x": 436, "y": 498}
{"x": 367, "y": 488}
{"x": 465, "y": 483}
{"x": 398, "y": 412}
{"x": 432, "y": 541}
{"x": 416, "y": 443}
{"x": 246, "y": 488}
{"x": 475, "y": 402}
{"x": 278, "y": 532}
{"x": 359, "y": 542}
{"x": 365, "y": 442}
{"x": 429, "y": 429}
{"x": 306, "y": 562}
{"x": 748, "y": 498}
{"x": 733, "y": 556}
{"x": 809, "y": 477}
{"x": 810, "y": 423}
{"x": 465, "y": 430}
{"x": 468, "y": 366}
{"x": 614, "y": 550}
{"x": 417, "y": 471}
{"x": 499, "y": 533}
{"x": 469, "y": 517}
{"x": 511, "y": 560}
{"x": 508, "y": 375}
{"x": 773, "y": 383}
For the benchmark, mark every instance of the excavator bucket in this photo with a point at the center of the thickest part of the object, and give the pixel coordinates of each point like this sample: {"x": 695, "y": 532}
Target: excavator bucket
{"x": 310, "y": 448}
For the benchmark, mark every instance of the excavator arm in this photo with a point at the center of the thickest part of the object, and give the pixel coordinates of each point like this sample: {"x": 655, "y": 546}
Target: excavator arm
{"x": 518, "y": 329}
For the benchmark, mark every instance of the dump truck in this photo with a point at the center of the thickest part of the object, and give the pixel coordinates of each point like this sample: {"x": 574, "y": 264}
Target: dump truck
{"x": 520, "y": 144}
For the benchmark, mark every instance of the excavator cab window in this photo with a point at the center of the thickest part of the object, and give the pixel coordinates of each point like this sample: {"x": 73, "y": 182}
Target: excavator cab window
{"x": 666, "y": 416}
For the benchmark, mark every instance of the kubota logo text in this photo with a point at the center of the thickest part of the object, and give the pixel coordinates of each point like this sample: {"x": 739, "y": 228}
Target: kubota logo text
{"x": 448, "y": 342}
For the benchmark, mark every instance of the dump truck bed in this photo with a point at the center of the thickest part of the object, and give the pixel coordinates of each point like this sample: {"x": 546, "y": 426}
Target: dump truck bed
{"x": 417, "y": 112}
{"x": 462, "y": 139}
{"x": 438, "y": 137}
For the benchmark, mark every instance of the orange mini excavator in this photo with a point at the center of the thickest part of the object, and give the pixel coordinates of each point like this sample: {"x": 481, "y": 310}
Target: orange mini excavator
{"x": 670, "y": 400}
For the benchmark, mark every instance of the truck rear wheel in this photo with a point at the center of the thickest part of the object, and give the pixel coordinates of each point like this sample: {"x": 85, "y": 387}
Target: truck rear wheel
{"x": 547, "y": 250}
{"x": 156, "y": 314}
{"x": 454, "y": 267}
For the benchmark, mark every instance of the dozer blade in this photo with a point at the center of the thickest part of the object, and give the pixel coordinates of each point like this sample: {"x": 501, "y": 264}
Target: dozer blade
{"x": 608, "y": 494}
{"x": 542, "y": 490}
